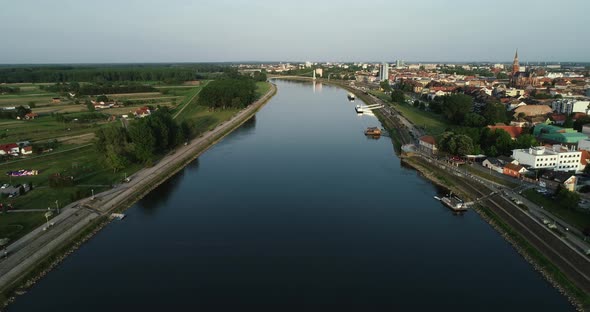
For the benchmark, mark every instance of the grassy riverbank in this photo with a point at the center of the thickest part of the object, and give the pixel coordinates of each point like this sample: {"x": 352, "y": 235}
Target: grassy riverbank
{"x": 552, "y": 273}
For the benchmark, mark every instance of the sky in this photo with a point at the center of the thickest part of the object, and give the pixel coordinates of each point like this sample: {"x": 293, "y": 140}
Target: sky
{"x": 123, "y": 31}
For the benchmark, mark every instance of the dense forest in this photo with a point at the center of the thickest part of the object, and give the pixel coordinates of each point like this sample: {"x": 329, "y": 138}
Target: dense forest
{"x": 225, "y": 93}
{"x": 102, "y": 73}
{"x": 143, "y": 141}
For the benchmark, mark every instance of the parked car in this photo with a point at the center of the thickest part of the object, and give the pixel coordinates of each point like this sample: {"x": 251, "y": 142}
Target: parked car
{"x": 5, "y": 186}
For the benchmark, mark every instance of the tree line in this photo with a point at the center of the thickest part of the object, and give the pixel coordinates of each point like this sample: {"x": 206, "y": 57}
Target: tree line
{"x": 9, "y": 90}
{"x": 469, "y": 140}
{"x": 236, "y": 92}
{"x": 69, "y": 73}
{"x": 99, "y": 88}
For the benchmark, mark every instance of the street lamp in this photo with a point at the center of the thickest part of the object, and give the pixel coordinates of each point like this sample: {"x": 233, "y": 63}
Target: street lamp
{"x": 57, "y": 205}
{"x": 47, "y": 215}
{"x": 92, "y": 194}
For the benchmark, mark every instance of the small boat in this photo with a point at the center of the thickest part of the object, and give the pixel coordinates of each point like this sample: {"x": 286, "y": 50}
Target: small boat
{"x": 351, "y": 96}
{"x": 436, "y": 197}
{"x": 358, "y": 109}
{"x": 373, "y": 131}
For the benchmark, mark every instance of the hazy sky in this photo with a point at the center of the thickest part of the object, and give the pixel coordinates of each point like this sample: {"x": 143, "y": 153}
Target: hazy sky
{"x": 84, "y": 31}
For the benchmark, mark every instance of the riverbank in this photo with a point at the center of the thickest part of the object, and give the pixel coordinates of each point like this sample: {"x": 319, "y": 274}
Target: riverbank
{"x": 538, "y": 261}
{"x": 42, "y": 250}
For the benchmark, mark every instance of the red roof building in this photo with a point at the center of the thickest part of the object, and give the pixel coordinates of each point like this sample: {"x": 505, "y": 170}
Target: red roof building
{"x": 428, "y": 144}
{"x": 514, "y": 131}
{"x": 513, "y": 170}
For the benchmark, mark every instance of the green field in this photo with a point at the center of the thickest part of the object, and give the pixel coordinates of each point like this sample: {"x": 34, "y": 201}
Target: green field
{"x": 15, "y": 225}
{"x": 577, "y": 218}
{"x": 77, "y": 156}
{"x": 433, "y": 124}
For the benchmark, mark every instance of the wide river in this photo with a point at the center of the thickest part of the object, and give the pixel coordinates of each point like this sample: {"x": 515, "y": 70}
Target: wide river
{"x": 296, "y": 210}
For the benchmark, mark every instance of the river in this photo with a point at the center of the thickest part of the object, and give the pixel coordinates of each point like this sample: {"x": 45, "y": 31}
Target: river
{"x": 295, "y": 210}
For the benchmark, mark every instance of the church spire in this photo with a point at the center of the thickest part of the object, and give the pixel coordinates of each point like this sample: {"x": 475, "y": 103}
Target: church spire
{"x": 515, "y": 65}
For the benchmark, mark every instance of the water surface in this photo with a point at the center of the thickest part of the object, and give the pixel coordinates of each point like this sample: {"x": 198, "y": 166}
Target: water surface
{"x": 296, "y": 210}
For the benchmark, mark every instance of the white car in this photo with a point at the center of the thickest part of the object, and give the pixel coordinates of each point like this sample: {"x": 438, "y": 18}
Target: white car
{"x": 5, "y": 186}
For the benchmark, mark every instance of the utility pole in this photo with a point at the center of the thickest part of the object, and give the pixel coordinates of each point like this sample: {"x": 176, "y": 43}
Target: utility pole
{"x": 92, "y": 194}
{"x": 57, "y": 206}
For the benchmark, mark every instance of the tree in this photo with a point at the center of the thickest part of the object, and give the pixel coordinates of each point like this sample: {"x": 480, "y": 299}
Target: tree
{"x": 21, "y": 111}
{"x": 502, "y": 75}
{"x": 416, "y": 103}
{"x": 494, "y": 113}
{"x": 115, "y": 159}
{"x": 398, "y": 96}
{"x": 567, "y": 199}
{"x": 463, "y": 145}
{"x": 526, "y": 141}
{"x": 569, "y": 122}
{"x": 144, "y": 140}
{"x": 580, "y": 122}
{"x": 102, "y": 98}
{"x": 90, "y": 107}
{"x": 456, "y": 106}
{"x": 385, "y": 85}
{"x": 472, "y": 119}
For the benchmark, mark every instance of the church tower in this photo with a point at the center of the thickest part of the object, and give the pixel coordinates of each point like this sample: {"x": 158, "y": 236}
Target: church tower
{"x": 515, "y": 65}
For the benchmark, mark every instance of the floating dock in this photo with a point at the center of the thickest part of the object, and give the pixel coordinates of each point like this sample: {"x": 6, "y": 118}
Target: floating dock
{"x": 118, "y": 216}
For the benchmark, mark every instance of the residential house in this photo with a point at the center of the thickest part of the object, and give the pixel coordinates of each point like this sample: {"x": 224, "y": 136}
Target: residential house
{"x": 26, "y": 150}
{"x": 514, "y": 170}
{"x": 508, "y": 160}
{"x": 514, "y": 131}
{"x": 552, "y": 180}
{"x": 493, "y": 164}
{"x": 31, "y": 116}
{"x": 9, "y": 149}
{"x": 55, "y": 100}
{"x": 142, "y": 112}
{"x": 428, "y": 144}
{"x": 512, "y": 105}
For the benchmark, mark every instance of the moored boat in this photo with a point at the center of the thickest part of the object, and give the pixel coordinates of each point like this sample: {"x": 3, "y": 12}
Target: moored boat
{"x": 373, "y": 131}
{"x": 351, "y": 96}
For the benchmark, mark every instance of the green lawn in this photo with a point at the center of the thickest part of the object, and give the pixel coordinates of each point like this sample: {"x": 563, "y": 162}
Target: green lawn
{"x": 434, "y": 124}
{"x": 15, "y": 225}
{"x": 261, "y": 88}
{"x": 577, "y": 218}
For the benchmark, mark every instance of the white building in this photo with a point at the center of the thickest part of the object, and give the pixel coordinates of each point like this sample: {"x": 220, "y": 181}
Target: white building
{"x": 384, "y": 72}
{"x": 557, "y": 158}
{"x": 568, "y": 106}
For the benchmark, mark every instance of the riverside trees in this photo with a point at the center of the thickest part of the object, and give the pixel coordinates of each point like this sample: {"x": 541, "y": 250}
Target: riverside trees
{"x": 143, "y": 141}
{"x": 228, "y": 93}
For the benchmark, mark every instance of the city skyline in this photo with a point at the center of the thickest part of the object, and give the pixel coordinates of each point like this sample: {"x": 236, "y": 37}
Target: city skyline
{"x": 67, "y": 31}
